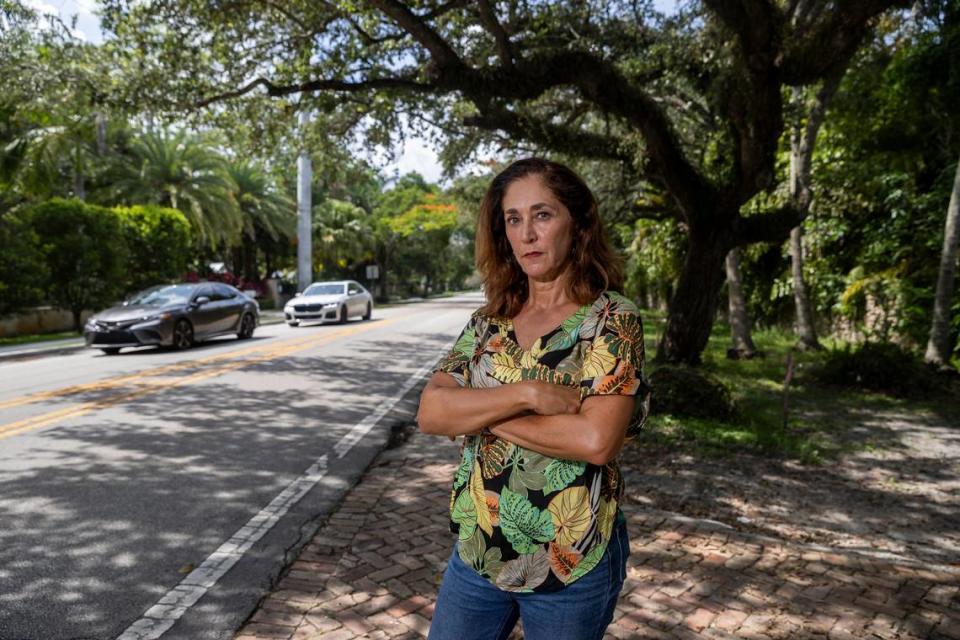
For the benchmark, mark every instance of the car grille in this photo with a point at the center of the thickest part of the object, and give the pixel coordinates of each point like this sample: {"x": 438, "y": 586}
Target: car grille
{"x": 104, "y": 325}
{"x": 307, "y": 307}
{"x": 113, "y": 337}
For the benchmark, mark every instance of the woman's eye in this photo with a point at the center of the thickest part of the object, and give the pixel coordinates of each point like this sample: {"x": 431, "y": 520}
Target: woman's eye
{"x": 513, "y": 220}
{"x": 543, "y": 215}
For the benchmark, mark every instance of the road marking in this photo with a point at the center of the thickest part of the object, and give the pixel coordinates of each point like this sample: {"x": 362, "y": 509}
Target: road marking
{"x": 170, "y": 368}
{"x": 269, "y": 352}
{"x": 158, "y": 619}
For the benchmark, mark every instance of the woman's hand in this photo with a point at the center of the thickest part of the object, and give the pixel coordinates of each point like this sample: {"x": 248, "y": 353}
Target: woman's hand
{"x": 552, "y": 399}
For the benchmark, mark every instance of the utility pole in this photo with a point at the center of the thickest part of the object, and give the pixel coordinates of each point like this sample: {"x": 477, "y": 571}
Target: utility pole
{"x": 304, "y": 224}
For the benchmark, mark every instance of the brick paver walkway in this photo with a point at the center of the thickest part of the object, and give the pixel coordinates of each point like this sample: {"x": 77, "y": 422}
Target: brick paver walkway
{"x": 373, "y": 570}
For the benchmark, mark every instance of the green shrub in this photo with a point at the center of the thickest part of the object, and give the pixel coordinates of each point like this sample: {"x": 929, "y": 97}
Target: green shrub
{"x": 877, "y": 366}
{"x": 84, "y": 250}
{"x": 686, "y": 391}
{"x": 158, "y": 242}
{"x": 23, "y": 270}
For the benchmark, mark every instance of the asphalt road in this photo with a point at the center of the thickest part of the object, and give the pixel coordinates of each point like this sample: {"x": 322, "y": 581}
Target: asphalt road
{"x": 158, "y": 493}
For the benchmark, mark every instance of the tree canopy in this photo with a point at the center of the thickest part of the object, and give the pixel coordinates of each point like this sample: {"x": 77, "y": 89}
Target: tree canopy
{"x": 691, "y": 106}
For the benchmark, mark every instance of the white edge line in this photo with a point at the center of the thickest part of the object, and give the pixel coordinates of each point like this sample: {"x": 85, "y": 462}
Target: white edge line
{"x": 158, "y": 619}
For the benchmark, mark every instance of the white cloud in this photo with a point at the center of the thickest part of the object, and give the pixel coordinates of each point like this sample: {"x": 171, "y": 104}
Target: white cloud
{"x": 42, "y": 7}
{"x": 417, "y": 156}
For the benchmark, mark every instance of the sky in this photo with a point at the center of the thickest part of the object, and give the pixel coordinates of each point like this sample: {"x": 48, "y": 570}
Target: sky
{"x": 416, "y": 155}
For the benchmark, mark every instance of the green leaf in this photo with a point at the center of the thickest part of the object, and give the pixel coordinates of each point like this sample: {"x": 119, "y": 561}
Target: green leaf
{"x": 473, "y": 549}
{"x": 463, "y": 471}
{"x": 560, "y": 473}
{"x": 523, "y": 524}
{"x": 465, "y": 514}
{"x": 464, "y": 345}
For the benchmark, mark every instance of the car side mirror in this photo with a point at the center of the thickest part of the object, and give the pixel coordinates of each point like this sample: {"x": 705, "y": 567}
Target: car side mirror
{"x": 297, "y": 294}
{"x": 202, "y": 300}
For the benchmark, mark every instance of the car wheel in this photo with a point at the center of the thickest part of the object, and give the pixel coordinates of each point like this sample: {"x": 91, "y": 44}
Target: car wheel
{"x": 343, "y": 314}
{"x": 111, "y": 351}
{"x": 247, "y": 325}
{"x": 369, "y": 313}
{"x": 293, "y": 323}
{"x": 182, "y": 334}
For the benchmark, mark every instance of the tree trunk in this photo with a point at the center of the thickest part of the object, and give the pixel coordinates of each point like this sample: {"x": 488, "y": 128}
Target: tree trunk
{"x": 742, "y": 343}
{"x": 237, "y": 261}
{"x": 79, "y": 190}
{"x": 939, "y": 348}
{"x": 250, "y": 272}
{"x": 694, "y": 304}
{"x": 802, "y": 141}
{"x": 801, "y": 294}
{"x": 76, "y": 313}
{"x": 101, "y": 126}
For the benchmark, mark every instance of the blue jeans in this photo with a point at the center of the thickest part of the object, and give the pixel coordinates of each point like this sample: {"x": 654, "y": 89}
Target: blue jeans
{"x": 469, "y": 607}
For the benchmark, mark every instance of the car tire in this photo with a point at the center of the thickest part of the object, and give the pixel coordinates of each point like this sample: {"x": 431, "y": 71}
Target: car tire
{"x": 182, "y": 335}
{"x": 247, "y": 326}
{"x": 369, "y": 313}
{"x": 343, "y": 315}
{"x": 293, "y": 324}
{"x": 111, "y": 351}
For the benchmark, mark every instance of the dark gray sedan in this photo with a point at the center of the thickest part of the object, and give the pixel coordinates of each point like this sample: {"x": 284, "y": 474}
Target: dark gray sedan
{"x": 173, "y": 315}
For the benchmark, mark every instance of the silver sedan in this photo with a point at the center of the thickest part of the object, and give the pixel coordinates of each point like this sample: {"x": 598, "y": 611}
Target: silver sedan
{"x": 335, "y": 301}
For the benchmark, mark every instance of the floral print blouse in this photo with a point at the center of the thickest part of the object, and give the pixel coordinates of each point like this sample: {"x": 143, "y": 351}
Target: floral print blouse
{"x": 527, "y": 521}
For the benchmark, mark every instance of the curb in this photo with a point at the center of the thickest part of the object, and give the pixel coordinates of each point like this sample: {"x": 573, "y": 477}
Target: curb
{"x": 390, "y": 431}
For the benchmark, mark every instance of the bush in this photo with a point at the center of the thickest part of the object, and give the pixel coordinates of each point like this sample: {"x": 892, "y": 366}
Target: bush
{"x": 158, "y": 242}
{"x": 686, "y": 391}
{"x": 23, "y": 271}
{"x": 84, "y": 251}
{"x": 877, "y": 366}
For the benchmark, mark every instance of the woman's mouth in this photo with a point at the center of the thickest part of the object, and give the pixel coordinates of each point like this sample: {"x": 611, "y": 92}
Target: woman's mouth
{"x": 533, "y": 254}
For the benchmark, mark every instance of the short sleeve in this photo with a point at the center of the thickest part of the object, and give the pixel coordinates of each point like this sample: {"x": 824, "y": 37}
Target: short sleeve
{"x": 613, "y": 365}
{"x": 457, "y": 361}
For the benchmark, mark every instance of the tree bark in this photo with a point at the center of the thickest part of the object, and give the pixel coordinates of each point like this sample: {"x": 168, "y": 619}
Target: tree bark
{"x": 742, "y": 343}
{"x": 803, "y": 137}
{"x": 939, "y": 348}
{"x": 694, "y": 304}
{"x": 806, "y": 331}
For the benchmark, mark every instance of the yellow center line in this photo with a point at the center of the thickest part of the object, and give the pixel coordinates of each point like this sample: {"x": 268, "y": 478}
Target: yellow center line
{"x": 155, "y": 386}
{"x": 110, "y": 383}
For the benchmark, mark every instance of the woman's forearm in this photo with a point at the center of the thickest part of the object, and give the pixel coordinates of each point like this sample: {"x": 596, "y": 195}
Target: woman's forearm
{"x": 595, "y": 434}
{"x": 559, "y": 436}
{"x": 454, "y": 410}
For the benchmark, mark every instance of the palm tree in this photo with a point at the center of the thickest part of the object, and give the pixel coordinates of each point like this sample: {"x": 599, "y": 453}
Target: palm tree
{"x": 268, "y": 214}
{"x": 343, "y": 236}
{"x": 179, "y": 171}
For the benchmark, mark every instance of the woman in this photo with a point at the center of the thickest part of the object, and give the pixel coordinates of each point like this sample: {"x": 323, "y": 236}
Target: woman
{"x": 545, "y": 383}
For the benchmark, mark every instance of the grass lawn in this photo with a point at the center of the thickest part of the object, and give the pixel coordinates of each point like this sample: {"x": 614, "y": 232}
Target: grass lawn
{"x": 37, "y": 337}
{"x": 822, "y": 421}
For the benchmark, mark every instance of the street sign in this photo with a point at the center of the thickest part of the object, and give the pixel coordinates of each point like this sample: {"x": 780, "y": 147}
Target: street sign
{"x": 373, "y": 272}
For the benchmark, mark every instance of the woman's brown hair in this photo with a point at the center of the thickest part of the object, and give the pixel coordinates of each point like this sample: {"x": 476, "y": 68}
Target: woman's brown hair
{"x": 594, "y": 265}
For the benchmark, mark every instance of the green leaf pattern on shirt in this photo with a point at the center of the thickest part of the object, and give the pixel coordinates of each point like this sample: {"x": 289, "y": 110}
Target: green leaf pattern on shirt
{"x": 523, "y": 524}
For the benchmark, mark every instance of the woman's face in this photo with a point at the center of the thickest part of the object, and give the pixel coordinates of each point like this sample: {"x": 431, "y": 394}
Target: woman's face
{"x": 539, "y": 228}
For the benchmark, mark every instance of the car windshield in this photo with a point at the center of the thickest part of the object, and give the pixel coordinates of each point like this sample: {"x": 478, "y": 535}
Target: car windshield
{"x": 323, "y": 290}
{"x": 162, "y": 296}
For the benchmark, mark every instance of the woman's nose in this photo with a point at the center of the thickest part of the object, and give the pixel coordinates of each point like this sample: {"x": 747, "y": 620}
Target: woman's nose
{"x": 528, "y": 233}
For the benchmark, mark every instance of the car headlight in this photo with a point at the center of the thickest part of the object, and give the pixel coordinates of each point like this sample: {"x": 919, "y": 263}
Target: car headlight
{"x": 166, "y": 315}
{"x": 327, "y": 305}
